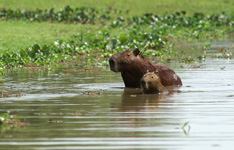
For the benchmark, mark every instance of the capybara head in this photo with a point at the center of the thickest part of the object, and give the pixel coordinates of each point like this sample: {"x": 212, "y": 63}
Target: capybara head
{"x": 151, "y": 83}
{"x": 125, "y": 60}
{"x": 132, "y": 66}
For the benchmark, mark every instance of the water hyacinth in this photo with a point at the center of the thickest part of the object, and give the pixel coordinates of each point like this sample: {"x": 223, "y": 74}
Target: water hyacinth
{"x": 67, "y": 14}
{"x": 91, "y": 15}
{"x": 151, "y": 33}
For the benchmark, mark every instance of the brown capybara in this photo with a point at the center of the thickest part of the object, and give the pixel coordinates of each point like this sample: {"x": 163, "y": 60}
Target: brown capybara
{"x": 133, "y": 66}
{"x": 151, "y": 84}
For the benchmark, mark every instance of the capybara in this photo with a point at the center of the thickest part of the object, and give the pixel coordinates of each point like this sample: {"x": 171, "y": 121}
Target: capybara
{"x": 133, "y": 66}
{"x": 151, "y": 84}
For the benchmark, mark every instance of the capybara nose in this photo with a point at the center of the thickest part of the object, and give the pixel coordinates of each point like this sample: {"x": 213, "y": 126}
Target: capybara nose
{"x": 143, "y": 83}
{"x": 112, "y": 64}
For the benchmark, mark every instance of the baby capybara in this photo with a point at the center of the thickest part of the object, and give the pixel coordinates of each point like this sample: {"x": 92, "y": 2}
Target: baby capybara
{"x": 133, "y": 66}
{"x": 151, "y": 84}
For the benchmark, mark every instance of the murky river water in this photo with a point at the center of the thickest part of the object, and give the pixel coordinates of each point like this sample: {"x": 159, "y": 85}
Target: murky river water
{"x": 92, "y": 110}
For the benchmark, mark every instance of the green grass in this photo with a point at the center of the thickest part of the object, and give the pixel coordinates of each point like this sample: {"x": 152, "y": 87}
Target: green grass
{"x": 136, "y": 7}
{"x": 155, "y": 38}
{"x": 19, "y": 34}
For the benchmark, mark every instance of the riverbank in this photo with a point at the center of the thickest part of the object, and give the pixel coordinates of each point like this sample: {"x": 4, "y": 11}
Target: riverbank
{"x": 50, "y": 37}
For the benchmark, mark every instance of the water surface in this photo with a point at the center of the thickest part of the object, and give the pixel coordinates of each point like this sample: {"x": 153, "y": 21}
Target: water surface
{"x": 69, "y": 109}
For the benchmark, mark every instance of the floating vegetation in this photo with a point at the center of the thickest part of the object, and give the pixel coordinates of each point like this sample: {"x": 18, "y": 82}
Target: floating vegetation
{"x": 99, "y": 92}
{"x": 223, "y": 53}
{"x": 151, "y": 33}
{"x": 90, "y": 15}
{"x": 67, "y": 14}
{"x": 197, "y": 66}
{"x": 186, "y": 59}
{"x": 186, "y": 128}
{"x": 55, "y": 121}
{"x": 8, "y": 121}
{"x": 8, "y": 93}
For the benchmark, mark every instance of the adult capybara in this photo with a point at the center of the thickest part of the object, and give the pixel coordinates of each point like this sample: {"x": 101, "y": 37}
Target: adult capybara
{"x": 151, "y": 84}
{"x": 133, "y": 66}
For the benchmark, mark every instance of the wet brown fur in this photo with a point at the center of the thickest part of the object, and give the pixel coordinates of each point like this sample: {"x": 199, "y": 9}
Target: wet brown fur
{"x": 151, "y": 84}
{"x": 133, "y": 66}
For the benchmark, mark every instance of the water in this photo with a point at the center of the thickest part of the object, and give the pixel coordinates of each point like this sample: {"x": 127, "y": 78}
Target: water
{"x": 69, "y": 109}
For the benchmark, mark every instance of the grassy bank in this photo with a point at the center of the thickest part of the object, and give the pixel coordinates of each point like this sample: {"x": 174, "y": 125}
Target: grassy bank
{"x": 135, "y": 7}
{"x": 20, "y": 34}
{"x": 16, "y": 35}
{"x": 27, "y": 40}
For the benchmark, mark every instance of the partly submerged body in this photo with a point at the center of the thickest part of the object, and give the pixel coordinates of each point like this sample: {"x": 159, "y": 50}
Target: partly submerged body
{"x": 151, "y": 84}
{"x": 133, "y": 66}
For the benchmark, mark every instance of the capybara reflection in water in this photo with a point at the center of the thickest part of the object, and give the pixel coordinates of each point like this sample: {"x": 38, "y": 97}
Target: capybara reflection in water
{"x": 133, "y": 66}
{"x": 151, "y": 84}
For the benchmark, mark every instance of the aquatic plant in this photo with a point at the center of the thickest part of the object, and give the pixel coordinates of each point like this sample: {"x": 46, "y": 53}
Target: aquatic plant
{"x": 223, "y": 53}
{"x": 9, "y": 93}
{"x": 67, "y": 14}
{"x": 186, "y": 125}
{"x": 90, "y": 15}
{"x": 154, "y": 35}
{"x": 91, "y": 93}
{"x": 8, "y": 121}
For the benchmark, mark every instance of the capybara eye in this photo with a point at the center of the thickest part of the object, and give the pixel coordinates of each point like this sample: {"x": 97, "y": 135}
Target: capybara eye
{"x": 128, "y": 55}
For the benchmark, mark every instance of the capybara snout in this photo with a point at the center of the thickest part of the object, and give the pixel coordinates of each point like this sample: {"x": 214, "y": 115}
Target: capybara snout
{"x": 112, "y": 65}
{"x": 143, "y": 83}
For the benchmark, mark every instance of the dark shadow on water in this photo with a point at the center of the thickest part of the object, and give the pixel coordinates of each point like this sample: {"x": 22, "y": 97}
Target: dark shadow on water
{"x": 139, "y": 110}
{"x": 116, "y": 88}
{"x": 133, "y": 99}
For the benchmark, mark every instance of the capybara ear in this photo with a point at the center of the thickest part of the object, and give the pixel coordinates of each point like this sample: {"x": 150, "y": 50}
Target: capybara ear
{"x": 156, "y": 72}
{"x": 136, "y": 52}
